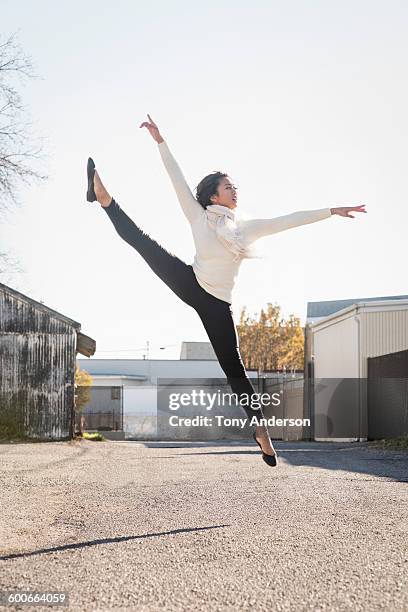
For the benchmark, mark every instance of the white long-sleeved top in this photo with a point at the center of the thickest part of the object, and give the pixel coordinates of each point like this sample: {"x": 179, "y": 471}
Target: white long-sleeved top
{"x": 214, "y": 265}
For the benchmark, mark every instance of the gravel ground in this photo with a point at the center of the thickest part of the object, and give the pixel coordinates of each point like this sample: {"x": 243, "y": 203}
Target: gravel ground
{"x": 206, "y": 527}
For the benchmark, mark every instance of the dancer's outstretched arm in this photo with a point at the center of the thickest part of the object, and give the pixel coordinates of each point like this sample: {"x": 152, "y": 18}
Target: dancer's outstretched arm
{"x": 191, "y": 208}
{"x": 257, "y": 228}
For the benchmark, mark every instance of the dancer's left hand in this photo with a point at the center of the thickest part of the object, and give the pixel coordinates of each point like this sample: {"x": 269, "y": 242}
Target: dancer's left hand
{"x": 344, "y": 211}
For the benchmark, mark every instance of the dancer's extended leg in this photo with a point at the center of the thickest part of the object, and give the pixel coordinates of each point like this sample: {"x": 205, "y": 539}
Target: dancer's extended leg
{"x": 175, "y": 273}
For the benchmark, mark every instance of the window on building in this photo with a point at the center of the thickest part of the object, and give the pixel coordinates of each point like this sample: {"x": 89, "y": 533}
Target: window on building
{"x": 115, "y": 393}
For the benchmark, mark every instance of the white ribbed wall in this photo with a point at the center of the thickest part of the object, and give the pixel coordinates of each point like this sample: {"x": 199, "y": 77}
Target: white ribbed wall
{"x": 335, "y": 349}
{"x": 382, "y": 332}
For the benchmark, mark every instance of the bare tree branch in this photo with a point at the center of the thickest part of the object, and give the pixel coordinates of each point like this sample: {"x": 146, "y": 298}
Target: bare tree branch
{"x": 19, "y": 149}
{"x": 9, "y": 267}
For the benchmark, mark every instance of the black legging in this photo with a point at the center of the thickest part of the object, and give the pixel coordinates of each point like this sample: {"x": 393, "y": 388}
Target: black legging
{"x": 215, "y": 314}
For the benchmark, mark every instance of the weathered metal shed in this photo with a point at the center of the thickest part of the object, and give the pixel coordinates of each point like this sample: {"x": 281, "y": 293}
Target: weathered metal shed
{"x": 38, "y": 348}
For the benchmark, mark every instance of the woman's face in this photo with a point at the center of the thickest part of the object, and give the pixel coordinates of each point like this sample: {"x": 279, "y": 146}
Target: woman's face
{"x": 227, "y": 194}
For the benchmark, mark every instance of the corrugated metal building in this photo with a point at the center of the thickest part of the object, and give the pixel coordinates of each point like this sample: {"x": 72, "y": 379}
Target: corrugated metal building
{"x": 338, "y": 348}
{"x": 38, "y": 348}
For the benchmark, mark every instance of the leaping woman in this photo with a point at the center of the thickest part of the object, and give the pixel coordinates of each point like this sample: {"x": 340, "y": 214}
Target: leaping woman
{"x": 221, "y": 243}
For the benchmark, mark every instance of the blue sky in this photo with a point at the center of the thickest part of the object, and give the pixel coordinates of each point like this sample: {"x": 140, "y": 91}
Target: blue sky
{"x": 302, "y": 102}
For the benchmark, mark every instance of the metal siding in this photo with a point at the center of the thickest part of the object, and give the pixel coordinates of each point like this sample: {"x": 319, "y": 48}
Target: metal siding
{"x": 37, "y": 370}
{"x": 335, "y": 350}
{"x": 382, "y": 332}
{"x": 316, "y": 310}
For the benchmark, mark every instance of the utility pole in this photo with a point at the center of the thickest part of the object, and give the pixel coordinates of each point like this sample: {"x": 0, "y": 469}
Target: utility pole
{"x": 146, "y": 355}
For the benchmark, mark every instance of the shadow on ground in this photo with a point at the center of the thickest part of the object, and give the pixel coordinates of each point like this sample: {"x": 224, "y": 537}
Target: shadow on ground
{"x": 353, "y": 457}
{"x": 89, "y": 543}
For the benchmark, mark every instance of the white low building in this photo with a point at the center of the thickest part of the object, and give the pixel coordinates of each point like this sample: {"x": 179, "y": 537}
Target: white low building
{"x": 197, "y": 350}
{"x": 135, "y": 382}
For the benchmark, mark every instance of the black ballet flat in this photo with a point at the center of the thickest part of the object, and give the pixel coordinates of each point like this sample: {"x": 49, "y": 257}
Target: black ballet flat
{"x": 271, "y": 460}
{"x": 90, "y": 170}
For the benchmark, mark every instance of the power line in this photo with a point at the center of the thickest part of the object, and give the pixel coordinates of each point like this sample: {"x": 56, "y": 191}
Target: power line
{"x": 133, "y": 350}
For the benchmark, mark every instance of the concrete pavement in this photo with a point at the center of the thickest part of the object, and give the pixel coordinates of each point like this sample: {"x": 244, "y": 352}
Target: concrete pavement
{"x": 206, "y": 527}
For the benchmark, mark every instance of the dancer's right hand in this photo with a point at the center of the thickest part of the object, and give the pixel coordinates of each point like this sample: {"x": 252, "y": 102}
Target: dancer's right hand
{"x": 153, "y": 129}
